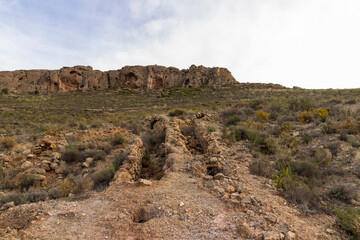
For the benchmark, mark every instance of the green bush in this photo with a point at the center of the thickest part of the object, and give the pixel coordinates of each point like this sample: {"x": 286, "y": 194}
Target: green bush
{"x": 239, "y": 133}
{"x": 210, "y": 129}
{"x": 232, "y": 120}
{"x": 258, "y": 141}
{"x": 5, "y": 91}
{"x": 349, "y": 220}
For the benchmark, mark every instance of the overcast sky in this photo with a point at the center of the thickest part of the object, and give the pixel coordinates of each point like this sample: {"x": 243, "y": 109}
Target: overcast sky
{"x": 306, "y": 43}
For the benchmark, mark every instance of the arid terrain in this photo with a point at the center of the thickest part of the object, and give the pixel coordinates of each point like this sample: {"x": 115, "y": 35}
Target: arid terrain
{"x": 214, "y": 160}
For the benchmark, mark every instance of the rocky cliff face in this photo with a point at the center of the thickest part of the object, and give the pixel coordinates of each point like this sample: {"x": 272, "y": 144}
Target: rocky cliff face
{"x": 85, "y": 78}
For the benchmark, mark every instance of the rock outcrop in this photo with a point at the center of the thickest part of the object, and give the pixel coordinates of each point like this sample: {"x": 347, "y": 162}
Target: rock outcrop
{"x": 85, "y": 78}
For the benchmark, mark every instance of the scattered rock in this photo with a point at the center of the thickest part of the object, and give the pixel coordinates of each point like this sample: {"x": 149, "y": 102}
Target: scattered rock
{"x": 55, "y": 156}
{"x": 7, "y": 206}
{"x": 26, "y": 152}
{"x": 39, "y": 171}
{"x": 229, "y": 188}
{"x": 209, "y": 184}
{"x": 30, "y": 156}
{"x": 219, "y": 190}
{"x": 54, "y": 166}
{"x": 246, "y": 201}
{"x": 290, "y": 235}
{"x": 26, "y": 165}
{"x": 145, "y": 182}
{"x": 330, "y": 231}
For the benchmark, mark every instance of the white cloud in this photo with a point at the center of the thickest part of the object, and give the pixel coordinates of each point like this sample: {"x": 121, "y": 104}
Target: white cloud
{"x": 313, "y": 44}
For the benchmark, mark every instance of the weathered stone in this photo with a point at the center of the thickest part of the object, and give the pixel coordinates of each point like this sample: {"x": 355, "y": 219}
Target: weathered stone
{"x": 46, "y": 162}
{"x": 46, "y": 167}
{"x": 26, "y": 152}
{"x": 39, "y": 171}
{"x": 219, "y": 190}
{"x": 208, "y": 177}
{"x": 55, "y": 155}
{"x": 26, "y": 165}
{"x": 85, "y": 78}
{"x": 7, "y": 205}
{"x": 209, "y": 184}
{"x": 246, "y": 201}
{"x": 39, "y": 177}
{"x": 145, "y": 182}
{"x": 229, "y": 188}
{"x": 30, "y": 156}
{"x": 235, "y": 195}
{"x": 290, "y": 235}
{"x": 219, "y": 176}
{"x": 54, "y": 166}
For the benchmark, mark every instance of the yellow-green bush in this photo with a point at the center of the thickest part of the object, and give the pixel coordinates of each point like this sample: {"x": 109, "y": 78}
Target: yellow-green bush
{"x": 306, "y": 117}
{"x": 323, "y": 113}
{"x": 262, "y": 115}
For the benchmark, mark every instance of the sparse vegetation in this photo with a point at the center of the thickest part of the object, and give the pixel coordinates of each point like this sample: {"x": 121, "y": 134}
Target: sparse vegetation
{"x": 7, "y": 142}
{"x": 5, "y": 91}
{"x": 349, "y": 220}
{"x": 307, "y": 150}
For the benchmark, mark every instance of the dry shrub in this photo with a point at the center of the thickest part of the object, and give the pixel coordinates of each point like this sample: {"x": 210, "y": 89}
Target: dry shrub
{"x": 7, "y": 142}
{"x": 118, "y": 160}
{"x": 152, "y": 141}
{"x": 306, "y": 169}
{"x": 72, "y": 155}
{"x": 117, "y": 140}
{"x": 260, "y": 167}
{"x": 103, "y": 177}
{"x": 81, "y": 185}
{"x": 349, "y": 125}
{"x": 176, "y": 112}
{"x": 300, "y": 104}
{"x": 334, "y": 147}
{"x": 27, "y": 180}
{"x": 343, "y": 192}
{"x": 301, "y": 194}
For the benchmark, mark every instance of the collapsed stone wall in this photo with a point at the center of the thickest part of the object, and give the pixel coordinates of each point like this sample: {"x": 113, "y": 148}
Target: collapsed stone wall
{"x": 85, "y": 78}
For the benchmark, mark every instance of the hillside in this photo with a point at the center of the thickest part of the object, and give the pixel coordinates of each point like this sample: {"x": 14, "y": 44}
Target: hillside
{"x": 239, "y": 161}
